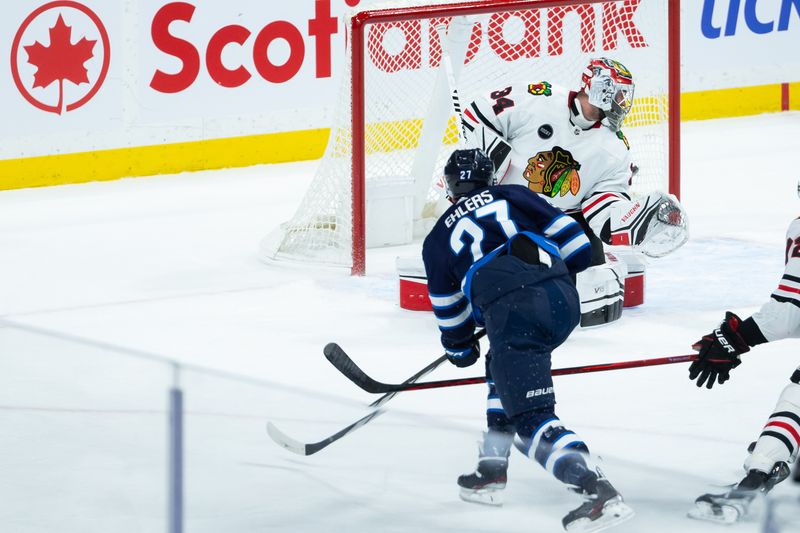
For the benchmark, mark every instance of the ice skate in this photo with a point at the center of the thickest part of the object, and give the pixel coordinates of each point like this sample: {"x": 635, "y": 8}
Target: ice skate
{"x": 604, "y": 508}
{"x": 485, "y": 485}
{"x": 732, "y": 506}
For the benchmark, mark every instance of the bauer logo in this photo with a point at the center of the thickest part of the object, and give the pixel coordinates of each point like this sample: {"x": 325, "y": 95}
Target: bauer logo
{"x": 539, "y": 392}
{"x": 60, "y": 56}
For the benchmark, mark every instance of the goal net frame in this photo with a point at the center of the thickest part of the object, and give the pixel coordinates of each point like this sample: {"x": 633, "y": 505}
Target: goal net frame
{"x": 357, "y": 47}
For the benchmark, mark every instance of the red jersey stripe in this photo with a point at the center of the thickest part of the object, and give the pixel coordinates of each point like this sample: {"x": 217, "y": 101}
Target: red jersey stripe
{"x": 788, "y": 428}
{"x": 788, "y": 289}
{"x": 470, "y": 116}
{"x": 600, "y": 199}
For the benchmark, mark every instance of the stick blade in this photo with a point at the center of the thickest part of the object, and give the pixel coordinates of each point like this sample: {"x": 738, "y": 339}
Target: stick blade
{"x": 285, "y": 441}
{"x": 339, "y": 359}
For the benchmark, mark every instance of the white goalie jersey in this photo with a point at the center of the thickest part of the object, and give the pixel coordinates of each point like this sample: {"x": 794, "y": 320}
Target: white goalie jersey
{"x": 547, "y": 153}
{"x": 530, "y": 133}
{"x": 779, "y": 318}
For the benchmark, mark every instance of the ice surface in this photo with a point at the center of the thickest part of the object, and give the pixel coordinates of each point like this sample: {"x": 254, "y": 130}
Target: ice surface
{"x": 167, "y": 266}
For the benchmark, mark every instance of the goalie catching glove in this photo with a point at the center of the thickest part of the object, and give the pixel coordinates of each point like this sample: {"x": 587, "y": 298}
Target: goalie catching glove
{"x": 656, "y": 224}
{"x": 718, "y": 353}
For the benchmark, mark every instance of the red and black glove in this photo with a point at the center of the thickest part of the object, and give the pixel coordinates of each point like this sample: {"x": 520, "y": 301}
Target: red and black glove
{"x": 718, "y": 353}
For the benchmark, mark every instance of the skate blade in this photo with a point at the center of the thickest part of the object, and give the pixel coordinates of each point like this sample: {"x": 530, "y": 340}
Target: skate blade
{"x": 614, "y": 513}
{"x": 721, "y": 514}
{"x": 493, "y": 497}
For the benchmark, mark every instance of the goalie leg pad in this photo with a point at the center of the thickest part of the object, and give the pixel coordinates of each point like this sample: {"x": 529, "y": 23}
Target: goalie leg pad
{"x": 596, "y": 286}
{"x": 636, "y": 264}
{"x": 601, "y": 290}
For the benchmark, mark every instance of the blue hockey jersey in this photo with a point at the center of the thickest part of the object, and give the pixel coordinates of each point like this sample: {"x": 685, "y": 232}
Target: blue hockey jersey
{"x": 481, "y": 226}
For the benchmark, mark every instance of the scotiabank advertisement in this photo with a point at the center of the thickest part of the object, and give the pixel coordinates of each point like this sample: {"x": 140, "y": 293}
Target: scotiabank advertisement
{"x": 90, "y": 75}
{"x": 245, "y": 58}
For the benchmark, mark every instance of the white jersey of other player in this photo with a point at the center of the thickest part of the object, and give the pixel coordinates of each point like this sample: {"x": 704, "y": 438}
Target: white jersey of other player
{"x": 779, "y": 318}
{"x": 778, "y": 445}
{"x": 549, "y": 153}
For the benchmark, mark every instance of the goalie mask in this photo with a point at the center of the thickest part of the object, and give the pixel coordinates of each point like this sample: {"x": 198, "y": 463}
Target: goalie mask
{"x": 466, "y": 171}
{"x": 610, "y": 87}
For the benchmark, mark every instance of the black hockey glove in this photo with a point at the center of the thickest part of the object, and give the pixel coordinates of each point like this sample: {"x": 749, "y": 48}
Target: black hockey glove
{"x": 465, "y": 355}
{"x": 718, "y": 353}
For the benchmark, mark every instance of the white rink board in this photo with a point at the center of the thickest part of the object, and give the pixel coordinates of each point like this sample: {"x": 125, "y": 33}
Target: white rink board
{"x": 128, "y": 111}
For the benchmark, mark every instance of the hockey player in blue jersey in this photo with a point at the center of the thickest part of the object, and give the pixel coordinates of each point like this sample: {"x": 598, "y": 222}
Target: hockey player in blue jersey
{"x": 502, "y": 257}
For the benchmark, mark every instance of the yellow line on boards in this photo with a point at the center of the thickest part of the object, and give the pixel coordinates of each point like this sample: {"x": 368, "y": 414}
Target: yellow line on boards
{"x": 107, "y": 165}
{"x": 794, "y": 96}
{"x": 724, "y": 103}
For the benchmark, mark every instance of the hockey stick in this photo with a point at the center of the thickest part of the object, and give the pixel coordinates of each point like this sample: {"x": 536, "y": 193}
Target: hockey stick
{"x": 310, "y": 448}
{"x": 451, "y": 81}
{"x": 339, "y": 358}
{"x": 449, "y": 69}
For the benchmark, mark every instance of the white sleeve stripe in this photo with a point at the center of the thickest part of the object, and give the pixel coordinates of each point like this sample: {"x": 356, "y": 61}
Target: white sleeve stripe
{"x": 538, "y": 435}
{"x": 789, "y": 286}
{"x": 559, "y": 452}
{"x": 446, "y": 301}
{"x": 789, "y": 295}
{"x": 573, "y": 245}
{"x": 558, "y": 225}
{"x": 544, "y": 257}
{"x": 458, "y": 320}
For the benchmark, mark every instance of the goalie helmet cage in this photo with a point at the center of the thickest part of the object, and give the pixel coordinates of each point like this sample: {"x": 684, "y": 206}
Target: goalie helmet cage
{"x": 395, "y": 125}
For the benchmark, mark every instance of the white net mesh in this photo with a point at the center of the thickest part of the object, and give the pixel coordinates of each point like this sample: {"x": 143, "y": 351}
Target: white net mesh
{"x": 402, "y": 63}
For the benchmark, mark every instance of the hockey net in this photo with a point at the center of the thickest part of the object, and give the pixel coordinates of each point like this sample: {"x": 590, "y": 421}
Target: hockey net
{"x": 395, "y": 126}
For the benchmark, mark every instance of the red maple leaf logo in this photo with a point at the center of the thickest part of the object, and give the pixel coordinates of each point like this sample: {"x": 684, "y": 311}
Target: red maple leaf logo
{"x": 60, "y": 61}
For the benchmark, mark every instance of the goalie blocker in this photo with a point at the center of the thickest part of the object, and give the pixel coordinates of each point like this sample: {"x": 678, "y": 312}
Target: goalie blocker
{"x": 603, "y": 289}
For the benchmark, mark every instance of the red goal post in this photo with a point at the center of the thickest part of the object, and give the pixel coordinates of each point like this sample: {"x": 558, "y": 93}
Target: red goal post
{"x": 368, "y": 134}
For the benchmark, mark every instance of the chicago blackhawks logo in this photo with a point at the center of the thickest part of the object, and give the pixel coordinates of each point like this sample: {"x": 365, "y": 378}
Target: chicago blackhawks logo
{"x": 60, "y": 56}
{"x": 553, "y": 173}
{"x": 542, "y": 88}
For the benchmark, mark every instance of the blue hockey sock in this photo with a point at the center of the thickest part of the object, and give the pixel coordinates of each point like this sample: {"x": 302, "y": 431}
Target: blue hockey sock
{"x": 559, "y": 450}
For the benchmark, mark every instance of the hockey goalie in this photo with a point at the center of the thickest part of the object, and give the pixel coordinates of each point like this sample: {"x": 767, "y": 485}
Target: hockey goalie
{"x": 569, "y": 147}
